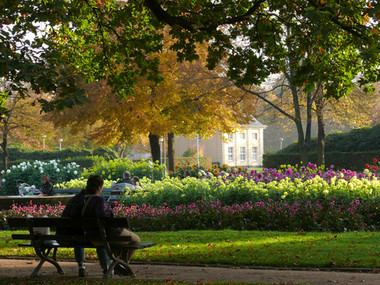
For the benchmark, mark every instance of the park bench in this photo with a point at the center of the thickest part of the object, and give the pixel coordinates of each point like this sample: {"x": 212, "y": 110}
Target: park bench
{"x": 46, "y": 244}
{"x": 110, "y": 195}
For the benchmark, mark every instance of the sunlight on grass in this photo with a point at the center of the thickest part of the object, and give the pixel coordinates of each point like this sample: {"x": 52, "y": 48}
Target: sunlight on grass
{"x": 254, "y": 248}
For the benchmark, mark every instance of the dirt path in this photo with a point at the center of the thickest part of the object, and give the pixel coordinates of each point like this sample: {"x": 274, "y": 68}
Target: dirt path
{"x": 195, "y": 274}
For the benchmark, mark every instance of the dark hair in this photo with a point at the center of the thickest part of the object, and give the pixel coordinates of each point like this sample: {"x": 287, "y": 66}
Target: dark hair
{"x": 126, "y": 174}
{"x": 93, "y": 184}
{"x": 45, "y": 177}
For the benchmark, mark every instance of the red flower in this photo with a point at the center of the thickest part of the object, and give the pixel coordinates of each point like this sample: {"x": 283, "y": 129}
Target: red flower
{"x": 375, "y": 160}
{"x": 366, "y": 166}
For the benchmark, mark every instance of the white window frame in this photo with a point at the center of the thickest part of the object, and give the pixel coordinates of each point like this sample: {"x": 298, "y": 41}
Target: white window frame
{"x": 254, "y": 136}
{"x": 254, "y": 153}
{"x": 242, "y": 136}
{"x": 242, "y": 154}
{"x": 230, "y": 153}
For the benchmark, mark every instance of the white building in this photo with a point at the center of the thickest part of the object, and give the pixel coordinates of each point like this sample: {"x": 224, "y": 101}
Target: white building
{"x": 244, "y": 148}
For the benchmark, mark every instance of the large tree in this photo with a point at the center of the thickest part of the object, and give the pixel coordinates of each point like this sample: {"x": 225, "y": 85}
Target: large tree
{"x": 189, "y": 101}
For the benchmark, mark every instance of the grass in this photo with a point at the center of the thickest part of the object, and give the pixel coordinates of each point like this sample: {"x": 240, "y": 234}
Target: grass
{"x": 244, "y": 248}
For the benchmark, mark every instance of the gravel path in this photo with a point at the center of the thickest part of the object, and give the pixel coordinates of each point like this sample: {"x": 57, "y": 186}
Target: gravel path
{"x": 195, "y": 274}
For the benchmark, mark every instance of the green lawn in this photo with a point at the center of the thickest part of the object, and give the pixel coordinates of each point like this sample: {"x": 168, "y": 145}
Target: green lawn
{"x": 252, "y": 248}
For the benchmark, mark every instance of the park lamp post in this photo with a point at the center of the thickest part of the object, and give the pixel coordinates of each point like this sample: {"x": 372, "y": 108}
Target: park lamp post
{"x": 161, "y": 150}
{"x": 43, "y": 141}
{"x": 60, "y": 144}
{"x": 281, "y": 140}
{"x": 198, "y": 150}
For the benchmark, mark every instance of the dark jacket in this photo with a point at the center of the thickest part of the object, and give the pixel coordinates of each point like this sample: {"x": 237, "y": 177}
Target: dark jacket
{"x": 95, "y": 207}
{"x": 68, "y": 213}
{"x": 126, "y": 180}
{"x": 48, "y": 189}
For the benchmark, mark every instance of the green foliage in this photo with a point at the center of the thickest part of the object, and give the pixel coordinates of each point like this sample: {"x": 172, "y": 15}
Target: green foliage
{"x": 17, "y": 153}
{"x": 228, "y": 247}
{"x": 31, "y": 173}
{"x": 113, "y": 169}
{"x": 173, "y": 191}
{"x": 189, "y": 153}
{"x": 340, "y": 160}
{"x": 364, "y": 139}
{"x": 79, "y": 183}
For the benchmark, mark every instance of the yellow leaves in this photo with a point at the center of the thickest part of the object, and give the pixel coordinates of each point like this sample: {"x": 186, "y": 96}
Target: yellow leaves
{"x": 374, "y": 31}
{"x": 322, "y": 1}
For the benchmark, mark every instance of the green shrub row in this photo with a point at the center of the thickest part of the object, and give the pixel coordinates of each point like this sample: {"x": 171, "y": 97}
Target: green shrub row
{"x": 113, "y": 169}
{"x": 359, "y": 140}
{"x": 341, "y": 160}
{"x": 25, "y": 154}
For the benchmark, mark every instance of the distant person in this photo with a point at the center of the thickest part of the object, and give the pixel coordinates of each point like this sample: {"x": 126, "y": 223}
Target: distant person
{"x": 125, "y": 183}
{"x": 136, "y": 181}
{"x": 126, "y": 178}
{"x": 47, "y": 187}
{"x": 187, "y": 173}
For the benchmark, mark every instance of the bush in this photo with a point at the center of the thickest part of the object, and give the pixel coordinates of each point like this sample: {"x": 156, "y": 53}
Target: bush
{"x": 31, "y": 173}
{"x": 21, "y": 154}
{"x": 340, "y": 160}
{"x": 324, "y": 215}
{"x": 113, "y": 169}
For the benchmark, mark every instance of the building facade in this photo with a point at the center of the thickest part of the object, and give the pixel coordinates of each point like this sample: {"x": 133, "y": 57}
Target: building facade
{"x": 243, "y": 148}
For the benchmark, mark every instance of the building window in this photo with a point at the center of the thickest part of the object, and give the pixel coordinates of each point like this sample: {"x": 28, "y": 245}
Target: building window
{"x": 242, "y": 153}
{"x": 229, "y": 136}
{"x": 242, "y": 136}
{"x": 254, "y": 153}
{"x": 254, "y": 136}
{"x": 230, "y": 154}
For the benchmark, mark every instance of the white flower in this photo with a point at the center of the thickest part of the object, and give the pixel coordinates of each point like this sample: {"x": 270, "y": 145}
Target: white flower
{"x": 2, "y": 171}
{"x": 75, "y": 172}
{"x": 58, "y": 170}
{"x": 3, "y": 180}
{"x": 41, "y": 171}
{"x": 8, "y": 171}
{"x": 13, "y": 166}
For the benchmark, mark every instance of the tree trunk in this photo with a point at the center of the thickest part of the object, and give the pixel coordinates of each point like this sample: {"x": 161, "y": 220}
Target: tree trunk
{"x": 171, "y": 152}
{"x": 154, "y": 142}
{"x": 321, "y": 140}
{"x": 4, "y": 146}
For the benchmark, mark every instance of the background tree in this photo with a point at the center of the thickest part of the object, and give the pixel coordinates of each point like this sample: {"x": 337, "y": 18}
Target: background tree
{"x": 189, "y": 101}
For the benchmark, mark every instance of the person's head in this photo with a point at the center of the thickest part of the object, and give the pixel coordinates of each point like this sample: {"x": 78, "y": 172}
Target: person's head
{"x": 45, "y": 179}
{"x": 135, "y": 180}
{"x": 94, "y": 184}
{"x": 126, "y": 174}
{"x": 187, "y": 173}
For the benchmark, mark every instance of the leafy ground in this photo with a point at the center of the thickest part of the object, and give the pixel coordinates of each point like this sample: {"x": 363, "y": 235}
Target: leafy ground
{"x": 39, "y": 281}
{"x": 255, "y": 248}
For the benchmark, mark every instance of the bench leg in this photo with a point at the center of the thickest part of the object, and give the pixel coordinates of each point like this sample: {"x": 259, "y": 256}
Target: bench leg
{"x": 43, "y": 253}
{"x": 116, "y": 260}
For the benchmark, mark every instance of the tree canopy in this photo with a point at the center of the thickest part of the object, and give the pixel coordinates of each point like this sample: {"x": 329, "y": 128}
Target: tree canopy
{"x": 109, "y": 39}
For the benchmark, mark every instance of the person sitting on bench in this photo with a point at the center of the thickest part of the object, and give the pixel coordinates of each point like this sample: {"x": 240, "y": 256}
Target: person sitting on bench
{"x": 96, "y": 207}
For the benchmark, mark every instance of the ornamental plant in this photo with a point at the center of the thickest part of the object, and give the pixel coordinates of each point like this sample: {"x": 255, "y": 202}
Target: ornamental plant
{"x": 287, "y": 186}
{"x": 375, "y": 167}
{"x": 325, "y": 215}
{"x": 31, "y": 173}
{"x": 79, "y": 183}
{"x": 113, "y": 169}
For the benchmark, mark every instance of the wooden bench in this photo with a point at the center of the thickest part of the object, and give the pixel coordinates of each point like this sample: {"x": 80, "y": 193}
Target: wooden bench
{"x": 46, "y": 245}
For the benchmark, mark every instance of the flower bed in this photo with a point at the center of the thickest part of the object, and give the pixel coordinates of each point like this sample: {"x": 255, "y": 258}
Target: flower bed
{"x": 308, "y": 184}
{"x": 326, "y": 215}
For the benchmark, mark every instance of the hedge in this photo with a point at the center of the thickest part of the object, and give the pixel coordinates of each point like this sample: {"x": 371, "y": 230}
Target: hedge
{"x": 341, "y": 160}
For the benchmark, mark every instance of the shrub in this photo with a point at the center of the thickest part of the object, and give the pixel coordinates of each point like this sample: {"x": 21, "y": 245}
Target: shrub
{"x": 325, "y": 215}
{"x": 113, "y": 169}
{"x": 31, "y": 173}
